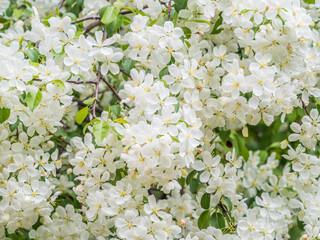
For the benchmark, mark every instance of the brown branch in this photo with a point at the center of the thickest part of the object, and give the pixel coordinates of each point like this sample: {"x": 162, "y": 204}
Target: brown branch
{"x": 91, "y": 26}
{"x": 228, "y": 216}
{"x": 96, "y": 94}
{"x": 125, "y": 73}
{"x": 79, "y": 82}
{"x": 86, "y": 19}
{"x": 111, "y": 88}
{"x": 169, "y": 10}
{"x": 61, "y": 4}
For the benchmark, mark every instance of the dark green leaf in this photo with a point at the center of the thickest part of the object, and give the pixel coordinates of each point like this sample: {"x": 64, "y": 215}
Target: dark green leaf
{"x": 180, "y": 4}
{"x": 205, "y": 201}
{"x": 14, "y": 126}
{"x": 216, "y": 25}
{"x": 224, "y": 135}
{"x": 190, "y": 176}
{"x": 163, "y": 72}
{"x": 112, "y": 27}
{"x": 187, "y": 32}
{"x": 127, "y": 64}
{"x": 217, "y": 220}
{"x": 263, "y": 154}
{"x": 194, "y": 183}
{"x": 227, "y": 202}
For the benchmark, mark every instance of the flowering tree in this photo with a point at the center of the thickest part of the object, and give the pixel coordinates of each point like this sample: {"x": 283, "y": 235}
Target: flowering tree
{"x": 150, "y": 119}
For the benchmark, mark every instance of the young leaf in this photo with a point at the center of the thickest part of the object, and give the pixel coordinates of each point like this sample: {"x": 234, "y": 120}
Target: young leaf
{"x": 217, "y": 220}
{"x": 89, "y": 101}
{"x": 163, "y": 72}
{"x": 204, "y": 220}
{"x": 310, "y": 1}
{"x": 33, "y": 99}
{"x": 190, "y": 176}
{"x": 217, "y": 24}
{"x": 100, "y": 130}
{"x": 110, "y": 14}
{"x": 205, "y": 201}
{"x": 4, "y": 114}
{"x": 88, "y": 124}
{"x": 120, "y": 120}
{"x": 187, "y": 32}
{"x": 127, "y": 64}
{"x": 14, "y": 126}
{"x": 82, "y": 114}
{"x": 59, "y": 83}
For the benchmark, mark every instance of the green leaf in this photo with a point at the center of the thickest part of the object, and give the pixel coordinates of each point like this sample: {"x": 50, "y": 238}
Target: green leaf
{"x": 59, "y": 83}
{"x": 190, "y": 176}
{"x": 217, "y": 220}
{"x": 176, "y": 107}
{"x": 310, "y": 1}
{"x": 82, "y": 114}
{"x": 187, "y": 32}
{"x": 204, "y": 220}
{"x": 217, "y": 24}
{"x": 4, "y": 114}
{"x": 17, "y": 13}
{"x": 127, "y": 64}
{"x": 263, "y": 154}
{"x": 102, "y": 10}
{"x": 163, "y": 72}
{"x": 33, "y": 99}
{"x": 227, "y": 202}
{"x": 88, "y": 124}
{"x": 224, "y": 135}
{"x": 153, "y": 22}
{"x": 205, "y": 201}
{"x": 120, "y": 120}
{"x": 14, "y": 126}
{"x": 89, "y": 101}
{"x": 32, "y": 54}
{"x": 112, "y": 27}
{"x": 115, "y": 109}
{"x": 194, "y": 183}
{"x": 100, "y": 130}
{"x": 126, "y": 20}
{"x": 180, "y": 4}
{"x": 110, "y": 14}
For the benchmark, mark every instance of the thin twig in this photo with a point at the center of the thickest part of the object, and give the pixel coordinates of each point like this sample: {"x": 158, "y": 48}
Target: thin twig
{"x": 228, "y": 216}
{"x": 61, "y": 4}
{"x": 169, "y": 10}
{"x": 305, "y": 108}
{"x": 111, "y": 88}
{"x": 79, "y": 82}
{"x": 86, "y": 19}
{"x": 125, "y": 73}
{"x": 91, "y": 26}
{"x": 96, "y": 94}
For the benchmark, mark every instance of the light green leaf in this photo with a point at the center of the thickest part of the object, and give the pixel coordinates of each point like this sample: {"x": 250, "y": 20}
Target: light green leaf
{"x": 88, "y": 124}
{"x": 199, "y": 21}
{"x": 110, "y": 14}
{"x": 187, "y": 32}
{"x": 33, "y": 99}
{"x": 127, "y": 64}
{"x": 100, "y": 130}
{"x": 32, "y": 54}
{"x": 17, "y": 13}
{"x": 310, "y": 1}
{"x": 120, "y": 120}
{"x": 89, "y": 101}
{"x": 4, "y": 114}
{"x": 112, "y": 27}
{"x": 82, "y": 114}
{"x": 59, "y": 83}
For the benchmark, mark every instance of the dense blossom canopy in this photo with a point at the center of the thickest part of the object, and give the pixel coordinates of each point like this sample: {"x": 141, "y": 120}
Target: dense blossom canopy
{"x": 148, "y": 119}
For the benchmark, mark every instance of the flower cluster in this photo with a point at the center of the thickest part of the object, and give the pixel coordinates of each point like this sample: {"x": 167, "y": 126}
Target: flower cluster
{"x": 159, "y": 120}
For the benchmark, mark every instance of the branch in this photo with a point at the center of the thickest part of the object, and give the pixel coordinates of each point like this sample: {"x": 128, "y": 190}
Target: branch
{"x": 125, "y": 73}
{"x": 111, "y": 88}
{"x": 79, "y": 82}
{"x": 305, "y": 107}
{"x": 91, "y": 26}
{"x": 228, "y": 216}
{"x": 61, "y": 4}
{"x": 169, "y": 10}
{"x": 86, "y": 19}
